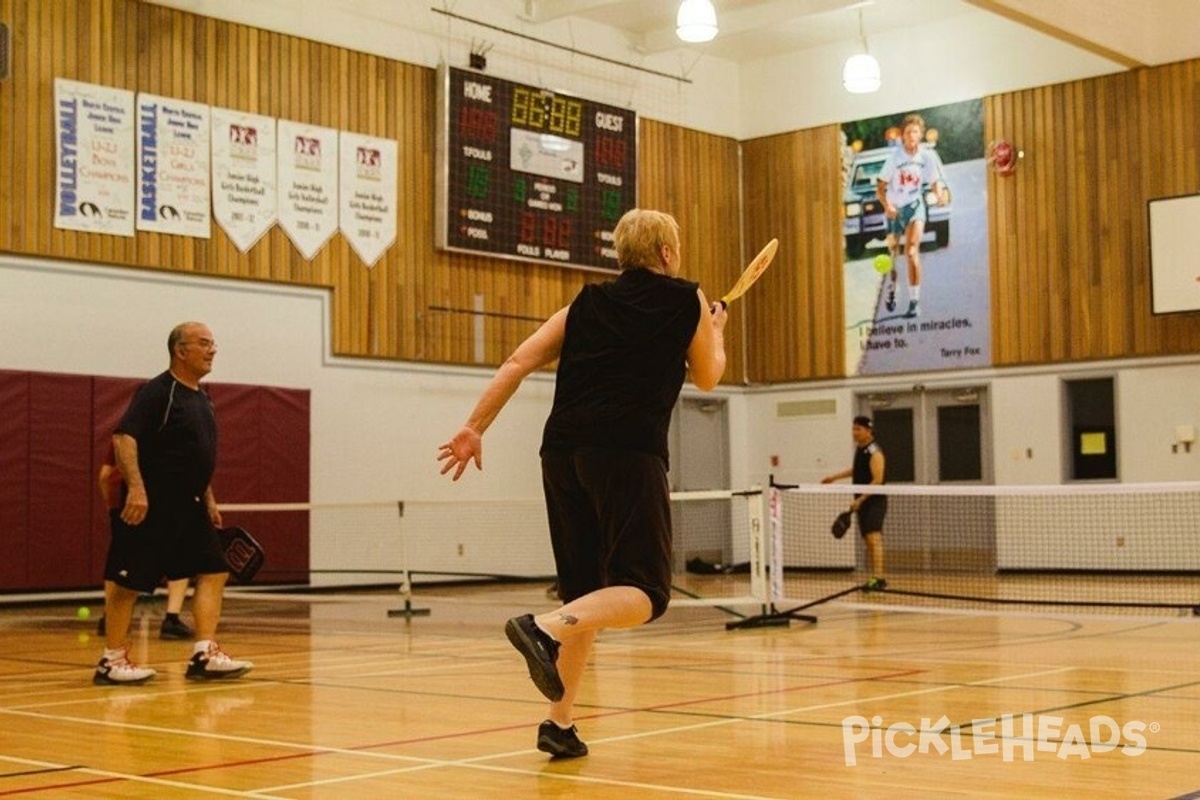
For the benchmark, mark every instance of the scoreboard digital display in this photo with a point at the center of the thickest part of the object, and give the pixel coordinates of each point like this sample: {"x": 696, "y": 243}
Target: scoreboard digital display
{"x": 531, "y": 174}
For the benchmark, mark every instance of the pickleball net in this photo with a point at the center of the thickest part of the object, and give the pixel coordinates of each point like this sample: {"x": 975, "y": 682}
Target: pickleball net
{"x": 1105, "y": 547}
{"x": 718, "y": 556}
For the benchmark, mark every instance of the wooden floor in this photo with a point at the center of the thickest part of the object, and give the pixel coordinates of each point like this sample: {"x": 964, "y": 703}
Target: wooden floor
{"x": 345, "y": 702}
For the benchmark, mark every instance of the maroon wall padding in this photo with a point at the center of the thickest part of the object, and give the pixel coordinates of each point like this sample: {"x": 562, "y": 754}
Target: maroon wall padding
{"x": 56, "y": 431}
{"x": 285, "y": 440}
{"x": 60, "y": 481}
{"x": 110, "y": 397}
{"x": 14, "y": 480}
{"x": 264, "y": 446}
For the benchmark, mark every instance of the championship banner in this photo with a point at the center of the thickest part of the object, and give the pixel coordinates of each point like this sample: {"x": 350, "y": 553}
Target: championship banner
{"x": 173, "y": 172}
{"x": 95, "y": 172}
{"x": 308, "y": 185}
{"x": 367, "y": 213}
{"x": 245, "y": 192}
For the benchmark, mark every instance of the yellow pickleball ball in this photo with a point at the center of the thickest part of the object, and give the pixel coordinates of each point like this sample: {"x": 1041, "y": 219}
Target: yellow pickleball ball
{"x": 883, "y": 263}
{"x": 84, "y": 612}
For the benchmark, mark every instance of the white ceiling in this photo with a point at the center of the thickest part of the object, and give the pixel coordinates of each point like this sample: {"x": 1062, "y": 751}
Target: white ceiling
{"x": 1127, "y": 32}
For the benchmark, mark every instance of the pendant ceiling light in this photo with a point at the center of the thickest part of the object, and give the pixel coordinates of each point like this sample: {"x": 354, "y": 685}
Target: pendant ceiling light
{"x": 696, "y": 21}
{"x": 861, "y": 74}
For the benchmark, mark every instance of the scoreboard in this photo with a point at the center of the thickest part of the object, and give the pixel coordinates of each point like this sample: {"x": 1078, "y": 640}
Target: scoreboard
{"x": 531, "y": 174}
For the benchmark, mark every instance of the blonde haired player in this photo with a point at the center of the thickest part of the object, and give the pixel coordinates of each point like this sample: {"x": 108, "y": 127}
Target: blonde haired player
{"x": 623, "y": 348}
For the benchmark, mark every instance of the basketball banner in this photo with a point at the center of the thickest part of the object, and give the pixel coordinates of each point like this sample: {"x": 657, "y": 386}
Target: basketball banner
{"x": 367, "y": 205}
{"x": 94, "y": 163}
{"x": 173, "y": 174}
{"x": 308, "y": 185}
{"x": 245, "y": 194}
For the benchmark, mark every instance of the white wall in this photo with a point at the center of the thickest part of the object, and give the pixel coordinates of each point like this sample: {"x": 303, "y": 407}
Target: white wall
{"x": 967, "y": 55}
{"x": 1027, "y": 405}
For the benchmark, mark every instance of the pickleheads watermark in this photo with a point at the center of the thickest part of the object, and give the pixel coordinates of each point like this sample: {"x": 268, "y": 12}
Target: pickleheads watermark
{"x": 1010, "y": 737}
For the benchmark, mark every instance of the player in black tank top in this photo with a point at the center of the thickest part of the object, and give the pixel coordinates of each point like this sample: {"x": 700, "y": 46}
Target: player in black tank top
{"x": 624, "y": 348}
{"x": 868, "y": 467}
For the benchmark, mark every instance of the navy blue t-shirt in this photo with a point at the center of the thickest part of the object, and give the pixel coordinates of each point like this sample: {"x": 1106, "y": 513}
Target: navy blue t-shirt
{"x": 176, "y": 433}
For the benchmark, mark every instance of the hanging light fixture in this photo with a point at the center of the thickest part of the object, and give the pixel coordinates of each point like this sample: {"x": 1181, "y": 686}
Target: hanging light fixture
{"x": 696, "y": 21}
{"x": 861, "y": 74}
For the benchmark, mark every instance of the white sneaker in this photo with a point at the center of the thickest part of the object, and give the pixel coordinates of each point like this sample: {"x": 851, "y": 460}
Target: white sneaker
{"x": 120, "y": 671}
{"x": 215, "y": 664}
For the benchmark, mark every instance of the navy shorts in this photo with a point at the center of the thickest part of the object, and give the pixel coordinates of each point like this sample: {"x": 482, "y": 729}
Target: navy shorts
{"x": 174, "y": 541}
{"x": 871, "y": 514}
{"x": 906, "y": 215}
{"x": 610, "y": 522}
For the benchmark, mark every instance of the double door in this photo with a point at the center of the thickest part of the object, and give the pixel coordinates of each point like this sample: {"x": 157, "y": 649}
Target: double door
{"x": 937, "y": 436}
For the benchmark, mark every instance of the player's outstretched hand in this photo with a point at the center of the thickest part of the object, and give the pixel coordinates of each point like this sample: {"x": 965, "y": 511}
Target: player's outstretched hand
{"x": 466, "y": 446}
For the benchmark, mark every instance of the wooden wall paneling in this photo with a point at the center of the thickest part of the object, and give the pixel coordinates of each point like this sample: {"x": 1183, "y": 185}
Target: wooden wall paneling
{"x": 1002, "y": 196}
{"x": 1079, "y": 168}
{"x": 793, "y": 192}
{"x": 27, "y": 79}
{"x": 119, "y": 33}
{"x": 1059, "y": 145}
{"x": 63, "y": 18}
{"x": 1044, "y": 222}
{"x": 1109, "y": 149}
{"x": 1114, "y": 308}
{"x": 8, "y": 124}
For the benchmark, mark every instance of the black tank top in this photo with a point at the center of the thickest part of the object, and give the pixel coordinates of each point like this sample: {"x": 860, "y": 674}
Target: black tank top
{"x": 862, "y": 463}
{"x": 623, "y": 362}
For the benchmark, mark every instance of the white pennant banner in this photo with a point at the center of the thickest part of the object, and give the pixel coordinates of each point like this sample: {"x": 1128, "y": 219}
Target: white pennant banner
{"x": 308, "y": 184}
{"x": 173, "y": 173}
{"x": 245, "y": 196}
{"x": 367, "y": 216}
{"x": 95, "y": 171}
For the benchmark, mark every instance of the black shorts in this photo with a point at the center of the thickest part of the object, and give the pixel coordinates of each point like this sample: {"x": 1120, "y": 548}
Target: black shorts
{"x": 610, "y": 522}
{"x": 871, "y": 514}
{"x": 175, "y": 541}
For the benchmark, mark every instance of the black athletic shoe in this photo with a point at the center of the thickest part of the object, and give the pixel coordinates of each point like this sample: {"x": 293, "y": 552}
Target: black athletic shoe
{"x": 560, "y": 743}
{"x": 541, "y": 653}
{"x": 175, "y": 628}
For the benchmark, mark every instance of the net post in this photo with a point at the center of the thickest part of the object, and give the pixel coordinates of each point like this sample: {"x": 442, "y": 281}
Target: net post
{"x": 773, "y": 564}
{"x": 407, "y": 612}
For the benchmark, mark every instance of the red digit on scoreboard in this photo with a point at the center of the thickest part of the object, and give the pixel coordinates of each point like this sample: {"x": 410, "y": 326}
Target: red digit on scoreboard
{"x": 528, "y": 232}
{"x": 556, "y": 232}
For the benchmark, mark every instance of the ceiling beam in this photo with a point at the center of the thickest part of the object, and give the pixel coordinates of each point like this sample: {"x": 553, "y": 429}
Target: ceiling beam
{"x": 1055, "y": 32}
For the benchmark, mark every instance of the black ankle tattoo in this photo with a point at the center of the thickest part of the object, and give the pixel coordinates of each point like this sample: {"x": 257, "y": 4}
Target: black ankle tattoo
{"x": 568, "y": 619}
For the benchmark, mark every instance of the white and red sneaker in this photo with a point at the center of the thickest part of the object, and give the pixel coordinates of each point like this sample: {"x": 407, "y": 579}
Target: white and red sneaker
{"x": 120, "y": 671}
{"x": 214, "y": 663}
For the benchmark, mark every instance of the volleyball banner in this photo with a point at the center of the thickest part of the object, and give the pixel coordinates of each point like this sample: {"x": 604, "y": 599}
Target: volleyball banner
{"x": 367, "y": 206}
{"x": 245, "y": 190}
{"x": 94, "y": 163}
{"x": 173, "y": 172}
{"x": 308, "y": 185}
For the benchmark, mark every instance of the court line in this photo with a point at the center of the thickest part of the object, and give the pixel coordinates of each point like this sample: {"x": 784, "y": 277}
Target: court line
{"x": 108, "y": 776}
{"x": 478, "y": 762}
